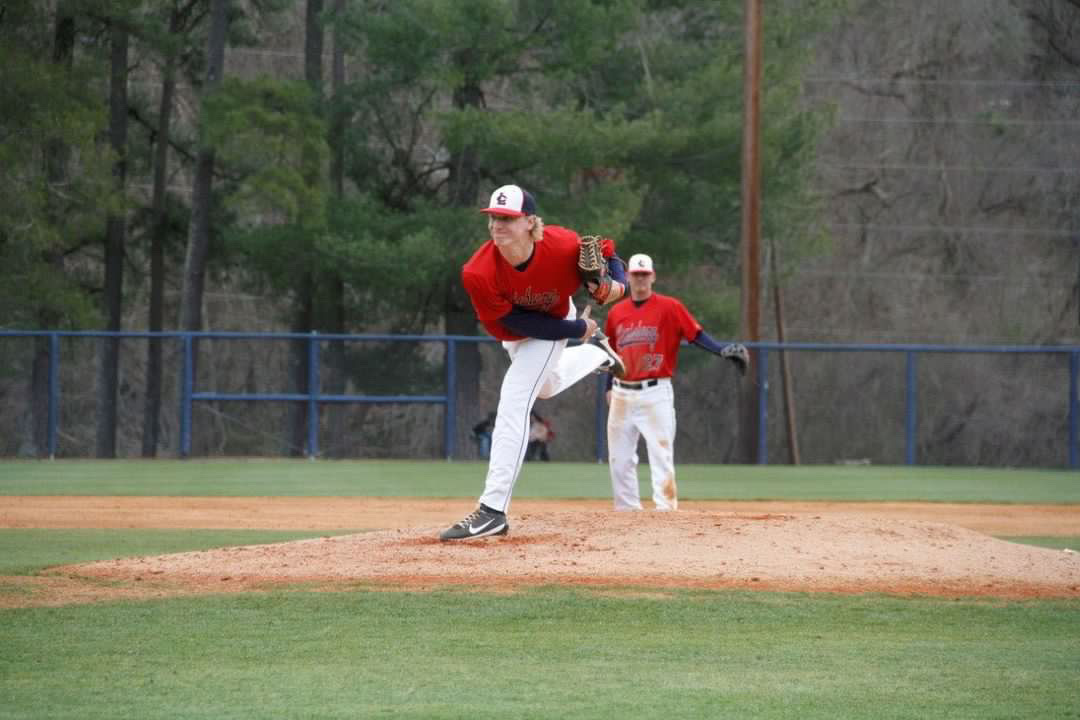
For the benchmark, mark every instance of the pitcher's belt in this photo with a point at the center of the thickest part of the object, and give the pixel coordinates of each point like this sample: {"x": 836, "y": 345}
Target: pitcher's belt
{"x": 636, "y": 384}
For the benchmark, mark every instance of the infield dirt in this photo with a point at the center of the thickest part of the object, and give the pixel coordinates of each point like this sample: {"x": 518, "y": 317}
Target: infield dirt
{"x": 897, "y": 548}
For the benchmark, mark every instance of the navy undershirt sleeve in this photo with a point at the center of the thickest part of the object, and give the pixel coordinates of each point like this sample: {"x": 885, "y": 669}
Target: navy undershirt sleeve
{"x": 704, "y": 340}
{"x": 529, "y": 323}
{"x": 617, "y": 269}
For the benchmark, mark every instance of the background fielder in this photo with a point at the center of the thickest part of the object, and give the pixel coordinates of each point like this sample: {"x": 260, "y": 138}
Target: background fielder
{"x": 646, "y": 330}
{"x": 520, "y": 283}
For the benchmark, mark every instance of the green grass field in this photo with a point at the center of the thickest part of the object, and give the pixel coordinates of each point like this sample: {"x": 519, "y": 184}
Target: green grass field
{"x": 544, "y": 653}
{"x": 559, "y": 480}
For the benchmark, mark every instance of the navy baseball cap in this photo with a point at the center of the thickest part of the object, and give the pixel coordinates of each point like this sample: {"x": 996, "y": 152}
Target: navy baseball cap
{"x": 511, "y": 201}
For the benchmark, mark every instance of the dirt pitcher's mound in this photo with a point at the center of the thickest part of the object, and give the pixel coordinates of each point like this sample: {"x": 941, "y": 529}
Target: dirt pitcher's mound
{"x": 797, "y": 551}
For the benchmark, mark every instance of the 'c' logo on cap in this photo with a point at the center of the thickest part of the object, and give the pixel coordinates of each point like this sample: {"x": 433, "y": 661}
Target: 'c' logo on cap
{"x": 501, "y": 199}
{"x": 641, "y": 263}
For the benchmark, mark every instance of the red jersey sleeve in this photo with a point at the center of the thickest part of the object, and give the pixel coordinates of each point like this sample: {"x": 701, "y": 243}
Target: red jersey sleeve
{"x": 688, "y": 325}
{"x": 607, "y": 247}
{"x": 488, "y": 303}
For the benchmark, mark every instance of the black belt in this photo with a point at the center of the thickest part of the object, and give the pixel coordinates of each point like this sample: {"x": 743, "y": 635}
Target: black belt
{"x": 638, "y": 385}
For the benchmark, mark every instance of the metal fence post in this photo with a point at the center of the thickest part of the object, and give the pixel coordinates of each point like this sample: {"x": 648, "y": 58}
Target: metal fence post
{"x": 763, "y": 406}
{"x": 185, "y": 399}
{"x": 601, "y": 424}
{"x": 449, "y": 424}
{"x": 313, "y": 396}
{"x": 909, "y": 411}
{"x": 1074, "y": 410}
{"x": 54, "y": 392}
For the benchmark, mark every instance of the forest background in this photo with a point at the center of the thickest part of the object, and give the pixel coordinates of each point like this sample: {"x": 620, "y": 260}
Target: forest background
{"x": 281, "y": 165}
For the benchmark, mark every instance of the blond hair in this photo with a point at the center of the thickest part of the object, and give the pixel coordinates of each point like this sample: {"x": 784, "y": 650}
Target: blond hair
{"x": 537, "y": 231}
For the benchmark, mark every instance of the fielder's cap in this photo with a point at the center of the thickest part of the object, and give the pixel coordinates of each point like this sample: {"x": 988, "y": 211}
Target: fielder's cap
{"x": 640, "y": 263}
{"x": 511, "y": 201}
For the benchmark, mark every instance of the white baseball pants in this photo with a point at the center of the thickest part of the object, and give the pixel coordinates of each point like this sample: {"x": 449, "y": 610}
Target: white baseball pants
{"x": 538, "y": 368}
{"x": 633, "y": 414}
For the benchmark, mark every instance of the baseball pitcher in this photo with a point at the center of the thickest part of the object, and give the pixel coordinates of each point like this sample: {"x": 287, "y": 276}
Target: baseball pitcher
{"x": 520, "y": 283}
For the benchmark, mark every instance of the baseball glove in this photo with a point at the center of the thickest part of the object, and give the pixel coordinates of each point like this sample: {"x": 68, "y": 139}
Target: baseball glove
{"x": 738, "y": 354}
{"x": 592, "y": 267}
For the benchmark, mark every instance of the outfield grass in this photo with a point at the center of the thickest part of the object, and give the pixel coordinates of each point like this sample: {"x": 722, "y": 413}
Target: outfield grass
{"x": 558, "y": 480}
{"x": 1051, "y": 541}
{"x": 548, "y": 653}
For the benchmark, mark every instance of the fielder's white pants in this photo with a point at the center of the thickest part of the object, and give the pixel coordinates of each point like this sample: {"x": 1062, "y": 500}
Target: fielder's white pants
{"x": 633, "y": 414}
{"x": 538, "y": 368}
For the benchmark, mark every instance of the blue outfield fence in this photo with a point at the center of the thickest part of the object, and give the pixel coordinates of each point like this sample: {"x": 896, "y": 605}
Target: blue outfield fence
{"x": 314, "y": 397}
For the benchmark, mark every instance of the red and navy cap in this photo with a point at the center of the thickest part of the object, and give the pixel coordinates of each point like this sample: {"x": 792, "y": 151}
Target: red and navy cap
{"x": 511, "y": 201}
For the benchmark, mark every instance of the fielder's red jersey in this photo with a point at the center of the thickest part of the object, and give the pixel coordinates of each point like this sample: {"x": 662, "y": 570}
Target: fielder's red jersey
{"x": 545, "y": 285}
{"x": 647, "y": 336}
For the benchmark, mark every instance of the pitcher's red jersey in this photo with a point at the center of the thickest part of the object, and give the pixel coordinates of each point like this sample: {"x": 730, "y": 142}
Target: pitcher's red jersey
{"x": 545, "y": 285}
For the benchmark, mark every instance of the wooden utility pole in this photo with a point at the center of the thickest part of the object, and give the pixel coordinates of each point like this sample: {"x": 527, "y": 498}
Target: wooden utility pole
{"x": 750, "y": 320}
{"x": 785, "y": 367}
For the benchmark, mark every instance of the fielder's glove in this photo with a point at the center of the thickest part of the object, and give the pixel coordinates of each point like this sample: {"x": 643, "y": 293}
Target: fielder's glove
{"x": 738, "y": 354}
{"x": 592, "y": 267}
